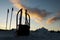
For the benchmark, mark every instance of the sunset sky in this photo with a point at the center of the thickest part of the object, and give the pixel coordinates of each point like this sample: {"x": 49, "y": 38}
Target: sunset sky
{"x": 44, "y": 13}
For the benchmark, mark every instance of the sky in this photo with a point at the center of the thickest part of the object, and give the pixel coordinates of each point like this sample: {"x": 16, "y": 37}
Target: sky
{"x": 43, "y": 13}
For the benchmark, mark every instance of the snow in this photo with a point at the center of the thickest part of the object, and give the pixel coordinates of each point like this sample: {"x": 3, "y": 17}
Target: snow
{"x": 39, "y": 34}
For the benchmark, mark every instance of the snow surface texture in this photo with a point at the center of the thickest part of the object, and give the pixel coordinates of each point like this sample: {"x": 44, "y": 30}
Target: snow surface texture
{"x": 40, "y": 34}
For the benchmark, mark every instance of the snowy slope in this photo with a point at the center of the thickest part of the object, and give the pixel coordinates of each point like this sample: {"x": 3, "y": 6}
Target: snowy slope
{"x": 39, "y": 34}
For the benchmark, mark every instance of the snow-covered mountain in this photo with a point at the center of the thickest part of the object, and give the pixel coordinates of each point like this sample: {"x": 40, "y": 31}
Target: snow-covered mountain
{"x": 39, "y": 34}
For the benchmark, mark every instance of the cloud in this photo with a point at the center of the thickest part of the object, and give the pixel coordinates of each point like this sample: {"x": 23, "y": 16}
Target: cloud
{"x": 42, "y": 13}
{"x": 17, "y": 4}
{"x": 53, "y": 19}
{"x": 35, "y": 13}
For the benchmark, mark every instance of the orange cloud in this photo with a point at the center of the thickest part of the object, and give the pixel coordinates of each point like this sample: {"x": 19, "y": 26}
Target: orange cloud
{"x": 17, "y": 4}
{"x": 53, "y": 19}
{"x": 35, "y": 13}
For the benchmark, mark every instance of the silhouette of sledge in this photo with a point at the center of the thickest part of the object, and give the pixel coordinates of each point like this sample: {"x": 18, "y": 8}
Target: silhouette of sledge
{"x": 23, "y": 30}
